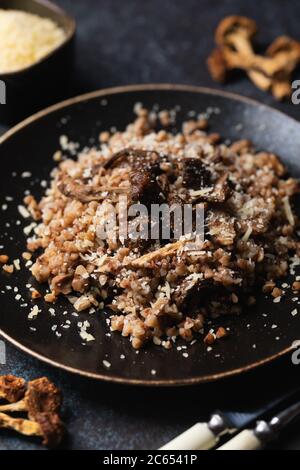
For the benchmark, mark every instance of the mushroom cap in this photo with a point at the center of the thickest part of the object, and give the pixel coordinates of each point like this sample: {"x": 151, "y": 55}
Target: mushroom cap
{"x": 12, "y": 388}
{"x": 42, "y": 396}
{"x": 217, "y": 65}
{"x": 51, "y": 427}
{"x": 283, "y": 44}
{"x": 232, "y": 24}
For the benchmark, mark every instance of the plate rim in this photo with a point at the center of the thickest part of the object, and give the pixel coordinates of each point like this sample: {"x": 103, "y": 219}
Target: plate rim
{"x": 139, "y": 87}
{"x": 119, "y": 90}
{"x": 145, "y": 382}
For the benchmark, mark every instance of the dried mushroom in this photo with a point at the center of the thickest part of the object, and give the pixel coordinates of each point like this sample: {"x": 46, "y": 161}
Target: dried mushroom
{"x": 12, "y": 388}
{"x": 42, "y": 402}
{"x": 47, "y": 425}
{"x": 144, "y": 175}
{"x": 234, "y": 50}
{"x": 84, "y": 192}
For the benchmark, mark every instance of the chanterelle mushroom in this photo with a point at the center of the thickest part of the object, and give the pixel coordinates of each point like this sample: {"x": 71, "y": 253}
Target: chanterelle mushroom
{"x": 42, "y": 402}
{"x": 41, "y": 396}
{"x": 269, "y": 72}
{"x": 47, "y": 425}
{"x": 286, "y": 54}
{"x": 12, "y": 388}
{"x": 286, "y": 51}
{"x": 23, "y": 426}
{"x": 234, "y": 35}
{"x": 236, "y": 31}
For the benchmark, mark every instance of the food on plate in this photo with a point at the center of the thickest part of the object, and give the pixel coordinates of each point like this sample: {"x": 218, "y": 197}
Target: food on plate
{"x": 160, "y": 289}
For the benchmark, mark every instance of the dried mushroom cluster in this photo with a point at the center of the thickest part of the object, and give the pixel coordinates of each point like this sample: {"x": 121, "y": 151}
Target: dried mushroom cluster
{"x": 269, "y": 72}
{"x": 40, "y": 399}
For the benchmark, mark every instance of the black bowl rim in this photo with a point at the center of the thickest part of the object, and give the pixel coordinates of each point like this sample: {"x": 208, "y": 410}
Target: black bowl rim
{"x": 119, "y": 90}
{"x": 70, "y": 34}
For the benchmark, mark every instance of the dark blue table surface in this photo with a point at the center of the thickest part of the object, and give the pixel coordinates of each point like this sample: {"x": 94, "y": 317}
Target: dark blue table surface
{"x": 138, "y": 41}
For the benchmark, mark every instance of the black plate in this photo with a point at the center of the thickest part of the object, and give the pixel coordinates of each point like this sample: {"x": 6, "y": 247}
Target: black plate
{"x": 260, "y": 335}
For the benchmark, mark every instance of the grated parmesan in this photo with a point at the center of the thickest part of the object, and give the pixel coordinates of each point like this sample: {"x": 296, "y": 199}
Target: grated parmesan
{"x": 288, "y": 210}
{"x": 26, "y": 38}
{"x": 247, "y": 234}
{"x": 23, "y": 211}
{"x": 33, "y": 312}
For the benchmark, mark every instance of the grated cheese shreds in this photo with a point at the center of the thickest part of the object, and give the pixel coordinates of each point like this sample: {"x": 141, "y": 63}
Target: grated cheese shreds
{"x": 25, "y": 39}
{"x": 288, "y": 210}
{"x": 33, "y": 312}
{"x": 23, "y": 211}
{"x": 247, "y": 234}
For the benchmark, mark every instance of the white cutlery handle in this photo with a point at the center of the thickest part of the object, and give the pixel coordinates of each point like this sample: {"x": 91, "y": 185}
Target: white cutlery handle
{"x": 198, "y": 437}
{"x": 245, "y": 440}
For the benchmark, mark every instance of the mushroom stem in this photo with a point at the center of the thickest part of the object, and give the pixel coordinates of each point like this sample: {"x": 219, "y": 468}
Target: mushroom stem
{"x": 14, "y": 407}
{"x": 281, "y": 89}
{"x": 241, "y": 43}
{"x": 23, "y": 426}
{"x": 260, "y": 80}
{"x": 245, "y": 58}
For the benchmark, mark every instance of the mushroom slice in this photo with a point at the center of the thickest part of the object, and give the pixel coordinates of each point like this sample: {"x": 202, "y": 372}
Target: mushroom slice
{"x": 195, "y": 173}
{"x": 62, "y": 283}
{"x": 85, "y": 193}
{"x": 137, "y": 158}
{"x": 145, "y": 187}
{"x": 145, "y": 169}
{"x": 189, "y": 294}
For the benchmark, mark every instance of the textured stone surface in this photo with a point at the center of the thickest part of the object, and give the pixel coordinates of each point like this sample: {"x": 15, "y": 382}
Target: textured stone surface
{"x": 138, "y": 41}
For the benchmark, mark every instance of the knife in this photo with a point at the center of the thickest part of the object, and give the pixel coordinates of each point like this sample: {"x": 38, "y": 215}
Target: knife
{"x": 264, "y": 431}
{"x": 205, "y": 436}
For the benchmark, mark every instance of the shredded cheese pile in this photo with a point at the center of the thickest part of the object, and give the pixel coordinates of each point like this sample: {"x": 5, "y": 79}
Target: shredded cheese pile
{"x": 25, "y": 39}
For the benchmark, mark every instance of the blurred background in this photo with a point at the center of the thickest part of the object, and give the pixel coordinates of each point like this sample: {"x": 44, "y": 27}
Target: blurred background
{"x": 136, "y": 41}
{"x": 148, "y": 41}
